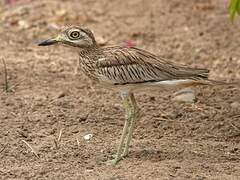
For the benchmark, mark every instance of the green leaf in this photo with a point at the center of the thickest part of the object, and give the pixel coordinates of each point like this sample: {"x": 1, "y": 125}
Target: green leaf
{"x": 234, "y": 8}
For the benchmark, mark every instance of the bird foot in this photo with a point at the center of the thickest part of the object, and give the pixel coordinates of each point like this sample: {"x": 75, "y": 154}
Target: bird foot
{"x": 124, "y": 155}
{"x": 114, "y": 160}
{"x": 111, "y": 162}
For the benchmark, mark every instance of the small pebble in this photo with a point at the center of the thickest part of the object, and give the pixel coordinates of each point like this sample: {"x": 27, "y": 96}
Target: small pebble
{"x": 87, "y": 137}
{"x": 89, "y": 170}
{"x": 23, "y": 24}
{"x": 235, "y": 105}
{"x": 185, "y": 95}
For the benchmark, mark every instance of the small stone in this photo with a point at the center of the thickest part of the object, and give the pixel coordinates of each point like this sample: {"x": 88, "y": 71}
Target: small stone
{"x": 234, "y": 150}
{"x": 235, "y": 105}
{"x": 75, "y": 131}
{"x": 87, "y": 137}
{"x": 23, "y": 24}
{"x": 89, "y": 170}
{"x": 82, "y": 118}
{"x": 185, "y": 95}
{"x": 152, "y": 99}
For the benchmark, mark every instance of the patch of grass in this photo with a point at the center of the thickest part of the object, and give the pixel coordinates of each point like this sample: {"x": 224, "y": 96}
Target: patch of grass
{"x": 6, "y": 85}
{"x": 234, "y": 9}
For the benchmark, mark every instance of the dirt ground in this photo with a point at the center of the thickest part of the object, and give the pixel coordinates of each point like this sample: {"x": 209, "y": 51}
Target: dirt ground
{"x": 47, "y": 96}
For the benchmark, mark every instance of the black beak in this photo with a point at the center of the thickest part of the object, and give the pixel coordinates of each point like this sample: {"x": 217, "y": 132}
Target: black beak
{"x": 47, "y": 42}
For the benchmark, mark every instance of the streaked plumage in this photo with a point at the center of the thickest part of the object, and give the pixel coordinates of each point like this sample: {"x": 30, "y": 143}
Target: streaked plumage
{"x": 127, "y": 69}
{"x": 123, "y": 66}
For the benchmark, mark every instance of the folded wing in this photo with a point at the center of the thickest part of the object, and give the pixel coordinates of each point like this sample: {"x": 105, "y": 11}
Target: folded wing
{"x": 131, "y": 65}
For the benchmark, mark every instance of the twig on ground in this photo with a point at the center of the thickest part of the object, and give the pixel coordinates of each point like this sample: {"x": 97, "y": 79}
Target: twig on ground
{"x": 7, "y": 87}
{"x": 57, "y": 142}
{"x": 15, "y": 85}
{"x": 5, "y": 75}
{"x": 60, "y": 135}
{"x": 78, "y": 143}
{"x": 235, "y": 127}
{"x": 32, "y": 150}
{"x": 4, "y": 147}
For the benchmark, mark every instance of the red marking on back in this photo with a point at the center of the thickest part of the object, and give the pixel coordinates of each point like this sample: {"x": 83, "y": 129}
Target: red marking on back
{"x": 128, "y": 44}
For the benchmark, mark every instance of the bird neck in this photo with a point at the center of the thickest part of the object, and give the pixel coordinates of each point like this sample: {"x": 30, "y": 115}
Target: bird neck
{"x": 89, "y": 50}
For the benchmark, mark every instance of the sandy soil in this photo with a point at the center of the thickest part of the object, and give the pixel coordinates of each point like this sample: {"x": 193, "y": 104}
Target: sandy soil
{"x": 47, "y": 96}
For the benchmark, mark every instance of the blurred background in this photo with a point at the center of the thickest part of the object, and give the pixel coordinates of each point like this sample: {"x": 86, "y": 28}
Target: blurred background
{"x": 46, "y": 94}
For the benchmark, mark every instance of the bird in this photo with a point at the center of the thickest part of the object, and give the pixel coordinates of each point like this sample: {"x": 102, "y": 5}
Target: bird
{"x": 127, "y": 70}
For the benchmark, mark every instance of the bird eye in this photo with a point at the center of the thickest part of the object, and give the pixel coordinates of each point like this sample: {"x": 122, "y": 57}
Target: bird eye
{"x": 74, "y": 35}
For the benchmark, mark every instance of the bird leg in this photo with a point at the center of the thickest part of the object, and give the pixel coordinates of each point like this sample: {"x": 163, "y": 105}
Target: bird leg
{"x": 131, "y": 114}
{"x": 128, "y": 125}
{"x": 134, "y": 113}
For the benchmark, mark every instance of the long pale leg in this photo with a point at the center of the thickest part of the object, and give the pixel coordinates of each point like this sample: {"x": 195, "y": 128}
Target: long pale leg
{"x": 126, "y": 105}
{"x": 134, "y": 112}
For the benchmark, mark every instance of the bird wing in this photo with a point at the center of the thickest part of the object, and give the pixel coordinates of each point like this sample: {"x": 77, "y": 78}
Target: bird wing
{"x": 122, "y": 65}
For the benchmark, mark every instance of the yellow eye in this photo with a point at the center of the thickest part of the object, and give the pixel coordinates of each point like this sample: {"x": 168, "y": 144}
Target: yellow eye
{"x": 74, "y": 35}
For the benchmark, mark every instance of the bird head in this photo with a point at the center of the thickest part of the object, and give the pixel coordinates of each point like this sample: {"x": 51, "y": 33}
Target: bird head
{"x": 73, "y": 36}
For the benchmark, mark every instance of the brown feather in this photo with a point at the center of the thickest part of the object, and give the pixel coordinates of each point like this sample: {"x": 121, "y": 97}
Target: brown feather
{"x": 132, "y": 65}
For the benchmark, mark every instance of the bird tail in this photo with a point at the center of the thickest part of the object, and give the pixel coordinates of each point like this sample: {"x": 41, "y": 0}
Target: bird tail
{"x": 208, "y": 82}
{"x": 214, "y": 82}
